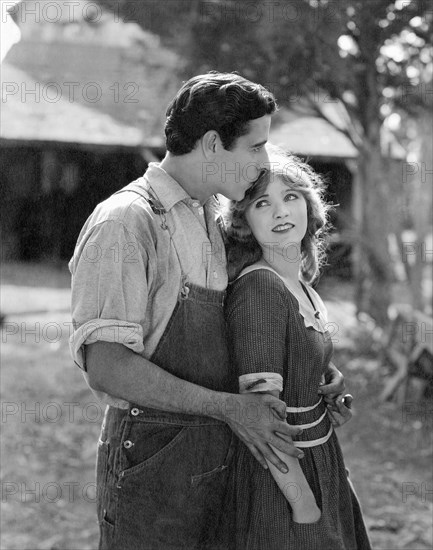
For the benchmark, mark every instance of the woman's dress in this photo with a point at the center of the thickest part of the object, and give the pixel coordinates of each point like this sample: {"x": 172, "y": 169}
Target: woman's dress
{"x": 268, "y": 334}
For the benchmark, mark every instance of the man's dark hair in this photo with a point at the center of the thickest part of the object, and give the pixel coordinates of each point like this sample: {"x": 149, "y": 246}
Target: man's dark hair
{"x": 224, "y": 102}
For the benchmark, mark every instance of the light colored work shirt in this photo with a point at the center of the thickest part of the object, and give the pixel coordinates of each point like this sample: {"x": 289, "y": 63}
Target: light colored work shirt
{"x": 128, "y": 265}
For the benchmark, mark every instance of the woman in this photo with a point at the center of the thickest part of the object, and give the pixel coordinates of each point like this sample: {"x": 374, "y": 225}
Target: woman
{"x": 279, "y": 345}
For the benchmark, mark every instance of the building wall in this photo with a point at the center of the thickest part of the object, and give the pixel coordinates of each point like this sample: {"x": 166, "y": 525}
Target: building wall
{"x": 47, "y": 193}
{"x": 339, "y": 181}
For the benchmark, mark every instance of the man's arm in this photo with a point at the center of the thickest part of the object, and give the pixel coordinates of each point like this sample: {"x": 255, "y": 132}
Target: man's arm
{"x": 119, "y": 372}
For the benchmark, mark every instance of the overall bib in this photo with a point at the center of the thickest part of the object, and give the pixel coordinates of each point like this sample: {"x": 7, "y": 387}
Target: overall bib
{"x": 162, "y": 477}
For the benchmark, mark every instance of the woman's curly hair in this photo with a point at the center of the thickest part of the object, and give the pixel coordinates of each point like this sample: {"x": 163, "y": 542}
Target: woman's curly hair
{"x": 242, "y": 247}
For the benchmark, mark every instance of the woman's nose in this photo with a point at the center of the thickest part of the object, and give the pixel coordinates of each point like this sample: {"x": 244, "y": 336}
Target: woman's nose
{"x": 281, "y": 210}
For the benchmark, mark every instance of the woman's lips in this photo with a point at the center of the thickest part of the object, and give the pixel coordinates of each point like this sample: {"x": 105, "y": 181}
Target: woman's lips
{"x": 283, "y": 227}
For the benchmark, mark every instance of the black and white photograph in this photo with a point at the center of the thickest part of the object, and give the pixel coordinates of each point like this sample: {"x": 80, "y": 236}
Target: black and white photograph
{"x": 216, "y": 291}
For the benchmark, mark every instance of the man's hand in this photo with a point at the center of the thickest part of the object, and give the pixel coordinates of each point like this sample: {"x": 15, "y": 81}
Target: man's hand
{"x": 339, "y": 411}
{"x": 259, "y": 421}
{"x": 333, "y": 384}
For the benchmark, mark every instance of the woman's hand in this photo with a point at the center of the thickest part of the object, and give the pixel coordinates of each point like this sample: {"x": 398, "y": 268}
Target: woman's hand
{"x": 339, "y": 410}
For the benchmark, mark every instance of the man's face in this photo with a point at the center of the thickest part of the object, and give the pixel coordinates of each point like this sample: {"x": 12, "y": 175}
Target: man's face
{"x": 239, "y": 168}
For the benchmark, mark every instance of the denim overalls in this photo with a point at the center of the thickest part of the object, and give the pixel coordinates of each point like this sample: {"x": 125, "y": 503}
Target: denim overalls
{"x": 162, "y": 477}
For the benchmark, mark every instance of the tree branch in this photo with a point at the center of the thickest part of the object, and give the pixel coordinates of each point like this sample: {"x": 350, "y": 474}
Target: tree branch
{"x": 350, "y": 131}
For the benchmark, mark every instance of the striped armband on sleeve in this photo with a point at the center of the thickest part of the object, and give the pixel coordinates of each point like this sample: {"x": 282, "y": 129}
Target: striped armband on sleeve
{"x": 260, "y": 381}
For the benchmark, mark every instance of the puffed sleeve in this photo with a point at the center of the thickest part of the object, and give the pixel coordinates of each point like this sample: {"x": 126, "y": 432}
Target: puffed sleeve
{"x": 257, "y": 316}
{"x": 109, "y": 288}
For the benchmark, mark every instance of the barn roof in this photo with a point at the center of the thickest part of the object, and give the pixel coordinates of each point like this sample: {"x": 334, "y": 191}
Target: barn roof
{"x": 312, "y": 137}
{"x": 113, "y": 76}
{"x": 34, "y": 111}
{"x": 303, "y": 132}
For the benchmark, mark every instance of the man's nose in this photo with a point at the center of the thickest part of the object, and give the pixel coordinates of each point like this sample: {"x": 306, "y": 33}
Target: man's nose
{"x": 264, "y": 158}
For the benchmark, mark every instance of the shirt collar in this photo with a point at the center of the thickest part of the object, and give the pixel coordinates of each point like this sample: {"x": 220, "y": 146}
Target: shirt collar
{"x": 212, "y": 207}
{"x": 168, "y": 191}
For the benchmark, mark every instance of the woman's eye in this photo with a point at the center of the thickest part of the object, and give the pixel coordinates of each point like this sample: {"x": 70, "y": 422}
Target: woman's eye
{"x": 290, "y": 197}
{"x": 259, "y": 204}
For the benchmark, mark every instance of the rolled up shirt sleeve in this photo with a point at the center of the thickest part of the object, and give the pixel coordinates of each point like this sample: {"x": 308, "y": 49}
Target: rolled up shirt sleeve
{"x": 107, "y": 330}
{"x": 109, "y": 288}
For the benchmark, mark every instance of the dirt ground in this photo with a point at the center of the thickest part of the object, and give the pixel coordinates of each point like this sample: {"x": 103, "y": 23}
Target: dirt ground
{"x": 50, "y": 423}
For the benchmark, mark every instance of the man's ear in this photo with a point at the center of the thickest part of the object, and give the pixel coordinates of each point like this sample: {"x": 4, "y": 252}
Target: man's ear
{"x": 210, "y": 142}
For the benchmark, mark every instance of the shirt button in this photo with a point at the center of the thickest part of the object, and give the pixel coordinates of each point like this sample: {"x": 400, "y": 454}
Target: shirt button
{"x": 200, "y": 210}
{"x": 215, "y": 275}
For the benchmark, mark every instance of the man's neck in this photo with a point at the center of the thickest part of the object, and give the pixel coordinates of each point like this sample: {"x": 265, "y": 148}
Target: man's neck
{"x": 187, "y": 171}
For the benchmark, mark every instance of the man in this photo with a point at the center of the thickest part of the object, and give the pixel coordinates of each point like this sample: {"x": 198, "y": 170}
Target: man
{"x": 149, "y": 277}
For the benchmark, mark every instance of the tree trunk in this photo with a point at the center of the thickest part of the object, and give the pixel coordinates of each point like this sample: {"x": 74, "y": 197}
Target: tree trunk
{"x": 420, "y": 188}
{"x": 355, "y": 233}
{"x": 375, "y": 275}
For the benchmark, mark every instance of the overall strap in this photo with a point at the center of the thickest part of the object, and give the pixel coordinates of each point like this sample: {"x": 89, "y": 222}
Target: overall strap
{"x": 148, "y": 194}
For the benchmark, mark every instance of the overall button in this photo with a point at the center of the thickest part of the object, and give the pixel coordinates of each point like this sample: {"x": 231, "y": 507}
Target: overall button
{"x": 135, "y": 411}
{"x": 128, "y": 444}
{"x": 196, "y": 204}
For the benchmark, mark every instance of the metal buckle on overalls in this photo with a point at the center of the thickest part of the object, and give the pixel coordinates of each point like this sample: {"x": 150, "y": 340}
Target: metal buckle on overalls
{"x": 184, "y": 291}
{"x": 164, "y": 221}
{"x": 159, "y": 210}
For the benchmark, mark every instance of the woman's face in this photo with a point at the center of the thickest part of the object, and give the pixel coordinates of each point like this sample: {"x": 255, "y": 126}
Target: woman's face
{"x": 278, "y": 217}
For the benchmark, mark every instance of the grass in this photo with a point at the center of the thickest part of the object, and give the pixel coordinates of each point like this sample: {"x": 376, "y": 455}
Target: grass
{"x": 50, "y": 426}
